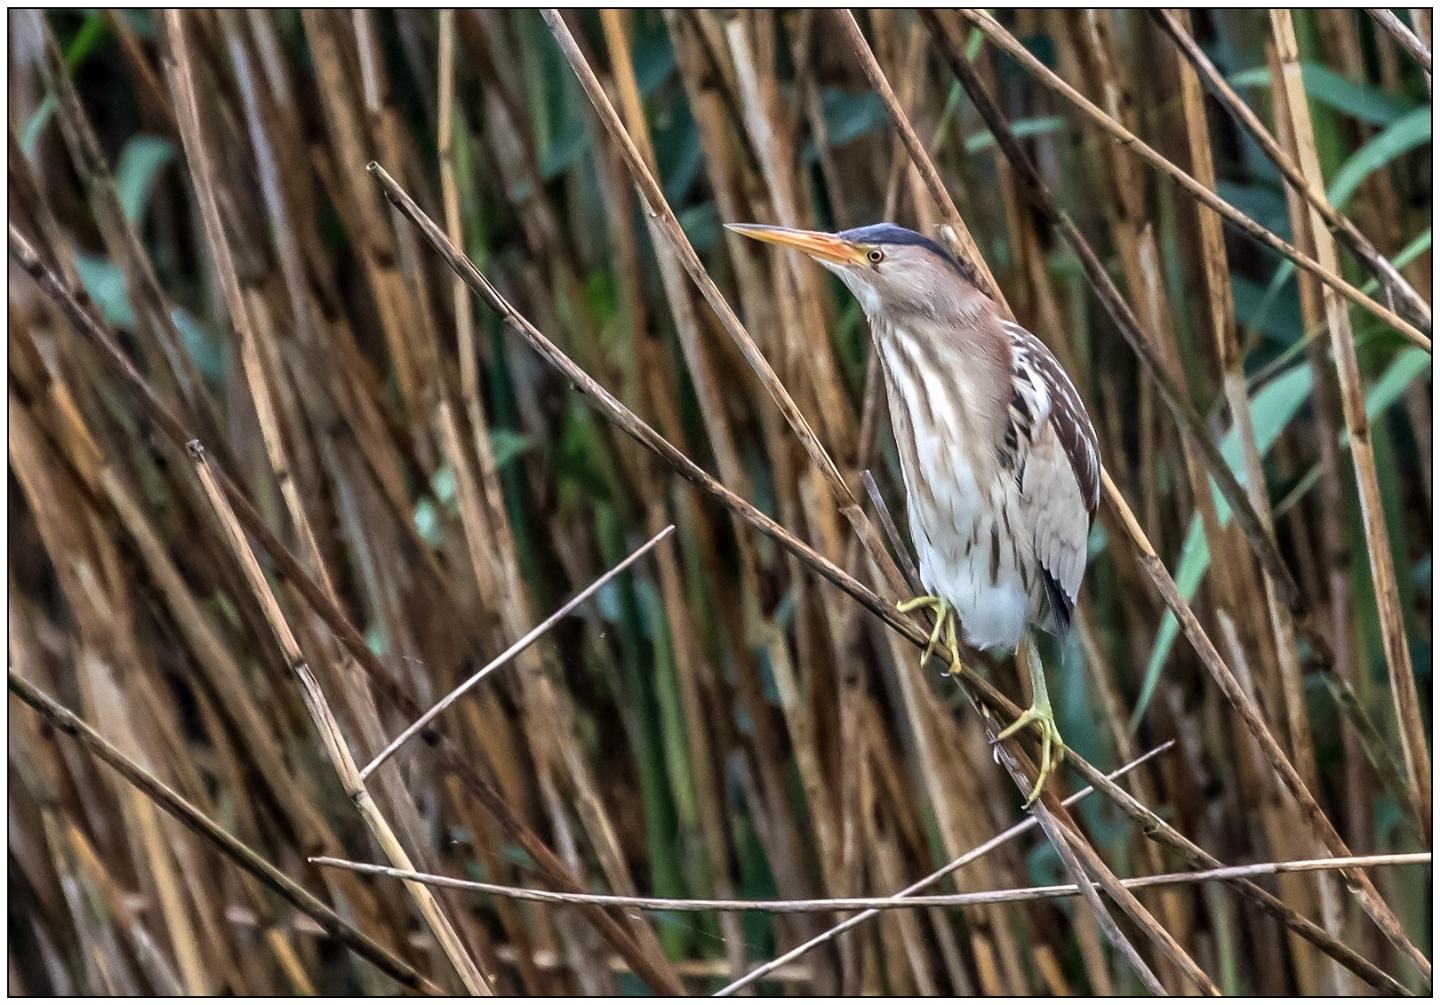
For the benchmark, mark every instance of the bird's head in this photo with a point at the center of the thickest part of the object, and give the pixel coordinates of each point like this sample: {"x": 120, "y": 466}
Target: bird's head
{"x": 892, "y": 271}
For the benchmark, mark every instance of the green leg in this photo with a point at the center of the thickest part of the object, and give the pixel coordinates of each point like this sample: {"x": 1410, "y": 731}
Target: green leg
{"x": 1052, "y": 748}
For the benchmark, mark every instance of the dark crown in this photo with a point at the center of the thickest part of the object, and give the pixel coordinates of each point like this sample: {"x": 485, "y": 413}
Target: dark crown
{"x": 890, "y": 233}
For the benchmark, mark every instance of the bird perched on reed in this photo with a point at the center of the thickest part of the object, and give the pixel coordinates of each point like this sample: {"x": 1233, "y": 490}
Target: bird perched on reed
{"x": 1002, "y": 475}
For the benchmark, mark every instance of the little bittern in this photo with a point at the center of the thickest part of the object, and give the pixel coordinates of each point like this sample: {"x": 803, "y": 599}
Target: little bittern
{"x": 1002, "y": 475}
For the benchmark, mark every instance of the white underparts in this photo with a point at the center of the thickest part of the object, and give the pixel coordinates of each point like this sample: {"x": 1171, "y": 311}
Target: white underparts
{"x": 965, "y": 515}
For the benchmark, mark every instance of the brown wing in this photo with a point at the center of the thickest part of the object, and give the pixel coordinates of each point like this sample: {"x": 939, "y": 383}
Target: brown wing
{"x": 1057, "y": 466}
{"x": 1036, "y": 367}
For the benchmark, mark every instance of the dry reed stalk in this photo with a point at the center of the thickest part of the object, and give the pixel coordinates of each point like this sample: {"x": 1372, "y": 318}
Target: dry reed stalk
{"x": 697, "y": 39}
{"x": 242, "y": 855}
{"x": 542, "y": 700}
{"x": 156, "y": 327}
{"x": 1220, "y": 302}
{"x": 807, "y": 362}
{"x": 1254, "y": 721}
{"x": 1102, "y": 676}
{"x": 1130, "y": 903}
{"x": 516, "y": 647}
{"x": 740, "y": 606}
{"x": 1090, "y": 57}
{"x": 356, "y": 203}
{"x": 933, "y": 184}
{"x": 150, "y": 959}
{"x": 737, "y": 185}
{"x": 767, "y": 970}
{"x": 1266, "y": 545}
{"x": 199, "y": 153}
{"x": 222, "y": 673}
{"x": 664, "y": 219}
{"x": 275, "y": 403}
{"x": 1001, "y": 37}
{"x": 1154, "y": 826}
{"x": 1282, "y": 835}
{"x": 1235, "y": 589}
{"x": 1402, "y": 34}
{"x": 1334, "y": 537}
{"x": 1071, "y": 848}
{"x": 882, "y": 904}
{"x": 669, "y": 226}
{"x": 67, "y": 525}
{"x": 336, "y": 748}
{"x": 173, "y": 426}
{"x": 688, "y": 659}
{"x": 1342, "y": 342}
{"x": 1390, "y": 278}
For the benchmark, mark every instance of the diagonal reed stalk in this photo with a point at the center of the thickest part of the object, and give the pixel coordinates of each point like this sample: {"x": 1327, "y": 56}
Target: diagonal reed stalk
{"x": 200, "y": 155}
{"x": 174, "y": 430}
{"x": 970, "y": 856}
{"x": 1257, "y": 529}
{"x": 1237, "y": 388}
{"x": 1009, "y": 43}
{"x": 1406, "y": 38}
{"x": 66, "y": 721}
{"x": 669, "y": 227}
{"x": 1394, "y": 284}
{"x": 921, "y": 157}
{"x": 524, "y": 641}
{"x": 333, "y": 740}
{"x": 749, "y": 720}
{"x": 626, "y": 420}
{"x": 291, "y": 571}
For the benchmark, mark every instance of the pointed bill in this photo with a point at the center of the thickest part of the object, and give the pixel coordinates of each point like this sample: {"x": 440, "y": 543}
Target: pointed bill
{"x": 817, "y": 244}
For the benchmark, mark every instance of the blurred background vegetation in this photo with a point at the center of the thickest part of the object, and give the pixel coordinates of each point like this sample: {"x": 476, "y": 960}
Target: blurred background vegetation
{"x": 718, "y": 721}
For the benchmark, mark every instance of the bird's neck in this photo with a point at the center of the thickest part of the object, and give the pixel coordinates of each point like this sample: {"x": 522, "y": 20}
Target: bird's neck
{"x": 961, "y": 361}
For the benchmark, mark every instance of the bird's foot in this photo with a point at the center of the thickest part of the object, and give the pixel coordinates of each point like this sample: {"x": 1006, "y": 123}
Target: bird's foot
{"x": 942, "y": 616}
{"x": 1052, "y": 748}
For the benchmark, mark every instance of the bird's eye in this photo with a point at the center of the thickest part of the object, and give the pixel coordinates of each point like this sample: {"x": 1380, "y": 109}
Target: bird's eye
{"x": 876, "y": 256}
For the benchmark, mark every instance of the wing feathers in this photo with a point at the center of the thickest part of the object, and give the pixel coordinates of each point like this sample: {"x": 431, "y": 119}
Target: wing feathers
{"x": 1057, "y": 465}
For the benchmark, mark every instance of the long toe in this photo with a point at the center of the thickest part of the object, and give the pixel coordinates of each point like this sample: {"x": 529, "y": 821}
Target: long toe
{"x": 915, "y": 603}
{"x": 1035, "y": 792}
{"x": 1046, "y": 766}
{"x": 1026, "y": 717}
{"x": 933, "y": 644}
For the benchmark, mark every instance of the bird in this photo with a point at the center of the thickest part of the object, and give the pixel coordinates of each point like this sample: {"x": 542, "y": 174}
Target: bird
{"x": 997, "y": 452}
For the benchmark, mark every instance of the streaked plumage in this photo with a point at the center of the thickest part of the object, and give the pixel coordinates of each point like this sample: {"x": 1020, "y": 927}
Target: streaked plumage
{"x": 1000, "y": 487}
{"x": 1001, "y": 470}
{"x": 997, "y": 452}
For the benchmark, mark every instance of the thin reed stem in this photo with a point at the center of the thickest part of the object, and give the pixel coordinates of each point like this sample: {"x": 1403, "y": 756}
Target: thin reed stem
{"x": 177, "y": 806}
{"x": 1008, "y": 42}
{"x": 516, "y": 647}
{"x": 897, "y": 902}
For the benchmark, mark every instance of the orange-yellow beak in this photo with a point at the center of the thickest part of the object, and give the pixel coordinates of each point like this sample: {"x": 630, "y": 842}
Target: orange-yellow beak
{"x": 815, "y": 243}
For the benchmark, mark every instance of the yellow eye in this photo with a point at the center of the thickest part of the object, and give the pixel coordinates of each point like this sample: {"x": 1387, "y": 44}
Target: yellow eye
{"x": 876, "y": 256}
